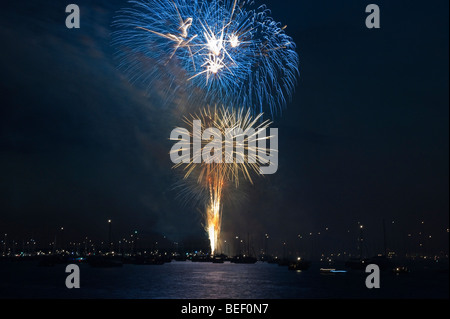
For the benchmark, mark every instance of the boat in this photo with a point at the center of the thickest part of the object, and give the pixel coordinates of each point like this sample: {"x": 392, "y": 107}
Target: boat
{"x": 300, "y": 264}
{"x": 361, "y": 263}
{"x": 148, "y": 260}
{"x": 327, "y": 270}
{"x": 243, "y": 259}
{"x": 400, "y": 270}
{"x": 180, "y": 258}
{"x": 201, "y": 258}
{"x": 332, "y": 271}
{"x": 218, "y": 260}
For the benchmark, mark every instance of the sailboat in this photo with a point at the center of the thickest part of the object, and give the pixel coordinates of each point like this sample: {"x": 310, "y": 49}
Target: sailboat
{"x": 361, "y": 263}
{"x": 300, "y": 264}
{"x": 246, "y": 258}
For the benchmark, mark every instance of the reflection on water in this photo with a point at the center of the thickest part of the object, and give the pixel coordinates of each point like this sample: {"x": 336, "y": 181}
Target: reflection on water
{"x": 180, "y": 280}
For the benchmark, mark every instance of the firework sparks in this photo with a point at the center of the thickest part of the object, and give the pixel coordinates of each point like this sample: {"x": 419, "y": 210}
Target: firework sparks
{"x": 239, "y": 156}
{"x": 237, "y": 54}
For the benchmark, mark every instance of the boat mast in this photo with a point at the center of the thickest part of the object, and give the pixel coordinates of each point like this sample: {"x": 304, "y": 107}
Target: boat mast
{"x": 384, "y": 238}
{"x": 248, "y": 244}
{"x": 361, "y": 241}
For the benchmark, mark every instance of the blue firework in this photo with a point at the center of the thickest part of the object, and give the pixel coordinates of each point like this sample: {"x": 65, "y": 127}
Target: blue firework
{"x": 225, "y": 51}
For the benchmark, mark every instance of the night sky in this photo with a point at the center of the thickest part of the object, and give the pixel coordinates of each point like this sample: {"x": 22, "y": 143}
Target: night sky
{"x": 365, "y": 137}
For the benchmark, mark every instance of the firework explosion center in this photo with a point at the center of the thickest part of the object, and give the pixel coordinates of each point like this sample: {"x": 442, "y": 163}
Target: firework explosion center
{"x": 229, "y": 146}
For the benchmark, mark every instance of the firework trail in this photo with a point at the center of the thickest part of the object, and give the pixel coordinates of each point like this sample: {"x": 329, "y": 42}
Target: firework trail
{"x": 239, "y": 159}
{"x": 230, "y": 52}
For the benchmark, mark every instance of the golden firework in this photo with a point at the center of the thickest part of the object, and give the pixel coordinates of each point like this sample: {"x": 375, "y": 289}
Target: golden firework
{"x": 224, "y": 146}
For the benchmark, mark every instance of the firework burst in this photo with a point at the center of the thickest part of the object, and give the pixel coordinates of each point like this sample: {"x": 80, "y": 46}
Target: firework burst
{"x": 228, "y": 51}
{"x": 236, "y": 156}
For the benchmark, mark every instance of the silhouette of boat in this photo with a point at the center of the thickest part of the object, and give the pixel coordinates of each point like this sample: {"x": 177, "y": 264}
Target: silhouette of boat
{"x": 300, "y": 264}
{"x": 148, "y": 260}
{"x": 327, "y": 270}
{"x": 201, "y": 259}
{"x": 52, "y": 260}
{"x": 218, "y": 260}
{"x": 361, "y": 263}
{"x": 401, "y": 270}
{"x": 331, "y": 271}
{"x": 243, "y": 259}
{"x": 180, "y": 258}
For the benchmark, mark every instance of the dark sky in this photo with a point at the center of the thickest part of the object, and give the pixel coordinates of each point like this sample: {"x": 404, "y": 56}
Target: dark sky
{"x": 365, "y": 137}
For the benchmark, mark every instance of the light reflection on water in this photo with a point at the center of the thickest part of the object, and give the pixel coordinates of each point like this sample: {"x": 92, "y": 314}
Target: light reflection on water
{"x": 187, "y": 280}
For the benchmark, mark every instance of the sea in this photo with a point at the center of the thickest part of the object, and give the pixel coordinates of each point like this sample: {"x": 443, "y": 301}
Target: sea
{"x": 193, "y": 280}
